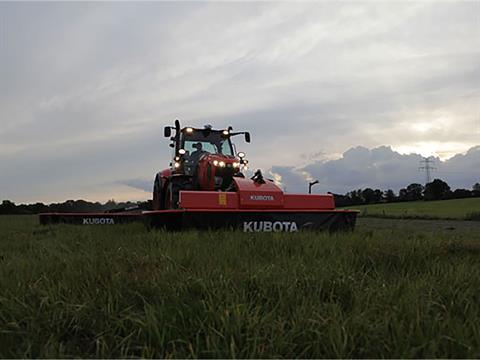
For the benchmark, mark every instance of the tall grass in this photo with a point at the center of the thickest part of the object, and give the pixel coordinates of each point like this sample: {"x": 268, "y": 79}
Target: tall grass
{"x": 123, "y": 291}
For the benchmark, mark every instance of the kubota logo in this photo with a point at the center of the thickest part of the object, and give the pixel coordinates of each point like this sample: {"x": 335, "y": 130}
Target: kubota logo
{"x": 269, "y": 226}
{"x": 262, "y": 197}
{"x": 98, "y": 221}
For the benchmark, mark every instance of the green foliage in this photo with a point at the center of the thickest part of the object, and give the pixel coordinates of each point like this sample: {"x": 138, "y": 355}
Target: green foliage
{"x": 389, "y": 195}
{"x": 437, "y": 190}
{"x": 122, "y": 291}
{"x": 445, "y": 209}
{"x": 415, "y": 192}
{"x": 371, "y": 196}
{"x": 9, "y": 208}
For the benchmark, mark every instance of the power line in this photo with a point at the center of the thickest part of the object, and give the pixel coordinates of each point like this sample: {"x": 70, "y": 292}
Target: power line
{"x": 427, "y": 167}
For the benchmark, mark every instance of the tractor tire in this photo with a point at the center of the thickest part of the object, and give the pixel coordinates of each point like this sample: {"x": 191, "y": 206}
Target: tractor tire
{"x": 172, "y": 195}
{"x": 158, "y": 202}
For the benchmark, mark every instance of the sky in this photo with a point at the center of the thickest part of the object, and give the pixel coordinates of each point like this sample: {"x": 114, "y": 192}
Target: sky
{"x": 352, "y": 94}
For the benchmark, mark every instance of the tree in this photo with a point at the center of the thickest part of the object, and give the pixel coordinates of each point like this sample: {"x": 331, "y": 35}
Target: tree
{"x": 378, "y": 195}
{"x": 355, "y": 197}
{"x": 38, "y": 208}
{"x": 368, "y": 195}
{"x": 7, "y": 207}
{"x": 476, "y": 189}
{"x": 402, "y": 194}
{"x": 340, "y": 200}
{"x": 389, "y": 195}
{"x": 414, "y": 192}
{"x": 110, "y": 205}
{"x": 436, "y": 190}
{"x": 461, "y": 193}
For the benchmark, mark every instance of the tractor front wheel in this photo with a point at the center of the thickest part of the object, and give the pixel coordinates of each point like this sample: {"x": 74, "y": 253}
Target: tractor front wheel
{"x": 172, "y": 195}
{"x": 158, "y": 201}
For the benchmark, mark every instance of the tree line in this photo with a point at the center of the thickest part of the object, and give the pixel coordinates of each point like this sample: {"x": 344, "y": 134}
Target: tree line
{"x": 435, "y": 190}
{"x": 9, "y": 207}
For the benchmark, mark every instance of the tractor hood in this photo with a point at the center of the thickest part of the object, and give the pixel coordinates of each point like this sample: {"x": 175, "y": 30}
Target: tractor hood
{"x": 216, "y": 171}
{"x": 221, "y": 161}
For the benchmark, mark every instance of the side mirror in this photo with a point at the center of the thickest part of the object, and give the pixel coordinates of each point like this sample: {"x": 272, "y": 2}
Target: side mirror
{"x": 247, "y": 137}
{"x": 167, "y": 132}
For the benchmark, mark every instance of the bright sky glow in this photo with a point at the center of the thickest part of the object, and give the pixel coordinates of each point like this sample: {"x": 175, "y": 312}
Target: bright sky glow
{"x": 442, "y": 150}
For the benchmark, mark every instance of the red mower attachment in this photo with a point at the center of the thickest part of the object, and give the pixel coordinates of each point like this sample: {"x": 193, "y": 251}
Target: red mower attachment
{"x": 253, "y": 208}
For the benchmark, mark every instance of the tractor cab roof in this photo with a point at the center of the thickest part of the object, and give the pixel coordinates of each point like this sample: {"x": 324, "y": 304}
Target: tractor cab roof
{"x": 205, "y": 131}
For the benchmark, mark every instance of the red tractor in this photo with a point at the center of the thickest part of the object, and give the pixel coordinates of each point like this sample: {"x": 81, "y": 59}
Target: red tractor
{"x": 203, "y": 160}
{"x": 204, "y": 188}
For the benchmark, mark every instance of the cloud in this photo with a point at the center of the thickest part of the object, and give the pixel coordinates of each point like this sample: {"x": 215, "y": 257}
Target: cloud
{"x": 87, "y": 87}
{"x": 381, "y": 168}
{"x": 142, "y": 184}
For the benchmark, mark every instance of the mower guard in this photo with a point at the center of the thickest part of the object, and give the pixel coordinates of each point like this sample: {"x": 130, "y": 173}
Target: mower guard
{"x": 205, "y": 219}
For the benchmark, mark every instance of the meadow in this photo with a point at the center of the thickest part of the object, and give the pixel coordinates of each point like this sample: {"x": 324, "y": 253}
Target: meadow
{"x": 124, "y": 291}
{"x": 468, "y": 209}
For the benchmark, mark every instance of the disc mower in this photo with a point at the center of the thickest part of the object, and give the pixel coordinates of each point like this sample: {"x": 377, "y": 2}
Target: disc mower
{"x": 205, "y": 187}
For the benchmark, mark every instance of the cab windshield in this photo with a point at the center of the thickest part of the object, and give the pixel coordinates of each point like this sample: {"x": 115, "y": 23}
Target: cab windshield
{"x": 207, "y": 142}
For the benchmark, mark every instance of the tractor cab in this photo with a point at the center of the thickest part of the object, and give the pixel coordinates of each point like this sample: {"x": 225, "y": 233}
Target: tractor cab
{"x": 194, "y": 144}
{"x": 203, "y": 159}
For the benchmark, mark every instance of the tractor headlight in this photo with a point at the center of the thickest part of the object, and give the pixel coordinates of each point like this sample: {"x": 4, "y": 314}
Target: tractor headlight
{"x": 221, "y": 164}
{"x": 236, "y": 164}
{"x": 215, "y": 162}
{"x": 177, "y": 158}
{"x": 226, "y": 132}
{"x": 189, "y": 130}
{"x": 182, "y": 151}
{"x": 241, "y": 155}
{"x": 177, "y": 165}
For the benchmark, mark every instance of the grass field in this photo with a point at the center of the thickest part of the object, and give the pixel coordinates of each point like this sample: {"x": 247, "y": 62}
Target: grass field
{"x": 444, "y": 209}
{"x": 122, "y": 291}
